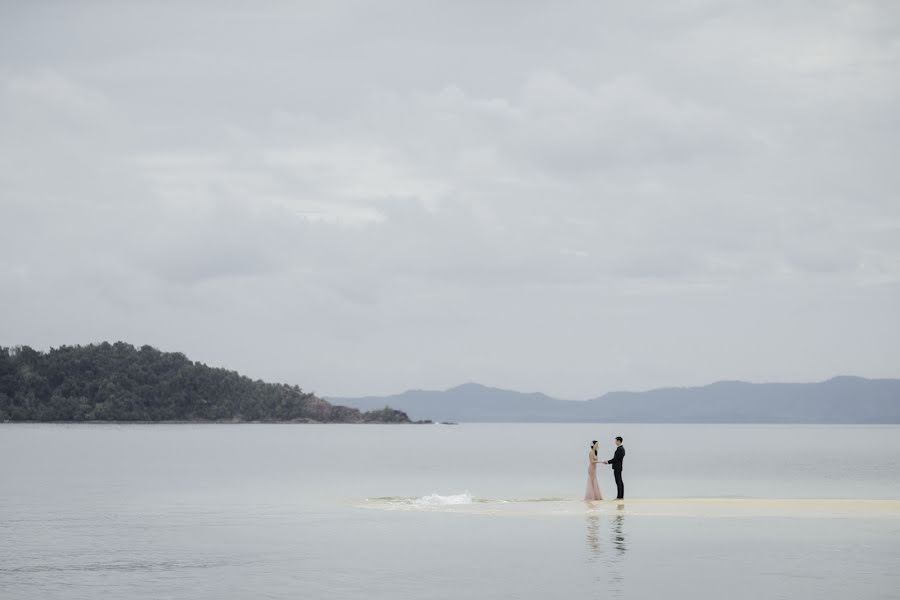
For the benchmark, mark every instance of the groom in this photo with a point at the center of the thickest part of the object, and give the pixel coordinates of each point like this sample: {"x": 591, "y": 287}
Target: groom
{"x": 616, "y": 462}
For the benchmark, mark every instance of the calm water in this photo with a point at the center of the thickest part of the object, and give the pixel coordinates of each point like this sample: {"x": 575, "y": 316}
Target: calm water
{"x": 274, "y": 511}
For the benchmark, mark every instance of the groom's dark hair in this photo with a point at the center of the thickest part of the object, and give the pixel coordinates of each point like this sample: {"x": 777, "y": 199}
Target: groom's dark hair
{"x": 618, "y": 438}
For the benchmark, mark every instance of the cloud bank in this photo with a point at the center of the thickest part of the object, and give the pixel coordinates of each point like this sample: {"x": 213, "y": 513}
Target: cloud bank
{"x": 365, "y": 198}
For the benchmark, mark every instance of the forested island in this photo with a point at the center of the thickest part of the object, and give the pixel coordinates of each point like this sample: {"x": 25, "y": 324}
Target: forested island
{"x": 118, "y": 382}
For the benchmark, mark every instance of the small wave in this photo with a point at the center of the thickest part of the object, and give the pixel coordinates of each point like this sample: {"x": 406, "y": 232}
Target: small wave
{"x": 124, "y": 566}
{"x": 438, "y": 500}
{"x": 433, "y": 499}
{"x": 450, "y": 500}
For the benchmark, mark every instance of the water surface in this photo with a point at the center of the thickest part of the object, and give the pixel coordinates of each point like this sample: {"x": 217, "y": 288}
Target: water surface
{"x": 489, "y": 511}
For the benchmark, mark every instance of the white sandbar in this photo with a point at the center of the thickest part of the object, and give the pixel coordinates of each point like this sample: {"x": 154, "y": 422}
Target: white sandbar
{"x": 673, "y": 507}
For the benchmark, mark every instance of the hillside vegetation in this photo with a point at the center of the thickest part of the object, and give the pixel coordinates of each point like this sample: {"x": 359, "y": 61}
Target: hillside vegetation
{"x": 118, "y": 382}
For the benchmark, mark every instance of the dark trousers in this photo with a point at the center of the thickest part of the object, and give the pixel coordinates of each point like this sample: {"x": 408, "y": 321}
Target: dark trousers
{"x": 620, "y": 487}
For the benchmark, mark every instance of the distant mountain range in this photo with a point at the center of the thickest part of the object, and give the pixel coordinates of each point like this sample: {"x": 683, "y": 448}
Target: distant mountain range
{"x": 838, "y": 400}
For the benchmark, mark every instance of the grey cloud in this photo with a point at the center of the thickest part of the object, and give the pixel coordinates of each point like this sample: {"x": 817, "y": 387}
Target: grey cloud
{"x": 375, "y": 197}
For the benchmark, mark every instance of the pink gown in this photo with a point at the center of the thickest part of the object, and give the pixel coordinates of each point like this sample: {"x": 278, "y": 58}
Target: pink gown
{"x": 593, "y": 488}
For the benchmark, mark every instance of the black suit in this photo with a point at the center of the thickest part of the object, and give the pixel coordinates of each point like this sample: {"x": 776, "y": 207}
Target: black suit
{"x": 616, "y": 463}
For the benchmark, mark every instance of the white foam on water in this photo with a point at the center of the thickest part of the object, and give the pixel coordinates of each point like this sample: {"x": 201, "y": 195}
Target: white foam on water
{"x": 438, "y": 500}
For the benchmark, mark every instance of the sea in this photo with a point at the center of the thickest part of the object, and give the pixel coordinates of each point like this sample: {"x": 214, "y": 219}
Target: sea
{"x": 218, "y": 511}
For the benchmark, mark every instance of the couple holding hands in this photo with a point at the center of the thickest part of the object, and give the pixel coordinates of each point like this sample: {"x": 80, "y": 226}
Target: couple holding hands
{"x": 593, "y": 488}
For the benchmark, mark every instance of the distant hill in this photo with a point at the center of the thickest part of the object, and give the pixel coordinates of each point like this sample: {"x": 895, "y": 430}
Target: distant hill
{"x": 838, "y": 400}
{"x": 472, "y": 402}
{"x": 118, "y": 382}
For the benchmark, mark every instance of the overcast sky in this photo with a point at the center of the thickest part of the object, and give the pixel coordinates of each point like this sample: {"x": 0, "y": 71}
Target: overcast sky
{"x": 361, "y": 198}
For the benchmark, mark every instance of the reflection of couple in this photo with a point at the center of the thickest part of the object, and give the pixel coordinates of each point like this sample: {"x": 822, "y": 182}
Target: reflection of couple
{"x": 593, "y": 488}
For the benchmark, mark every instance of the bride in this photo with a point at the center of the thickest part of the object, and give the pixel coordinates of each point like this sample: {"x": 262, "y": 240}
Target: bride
{"x": 593, "y": 488}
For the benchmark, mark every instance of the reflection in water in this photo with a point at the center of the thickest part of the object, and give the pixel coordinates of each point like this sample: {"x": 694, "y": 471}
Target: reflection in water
{"x": 607, "y": 556}
{"x": 593, "y": 537}
{"x": 618, "y": 532}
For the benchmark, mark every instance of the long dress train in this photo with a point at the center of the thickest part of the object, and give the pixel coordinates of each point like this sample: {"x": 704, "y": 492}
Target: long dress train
{"x": 592, "y": 492}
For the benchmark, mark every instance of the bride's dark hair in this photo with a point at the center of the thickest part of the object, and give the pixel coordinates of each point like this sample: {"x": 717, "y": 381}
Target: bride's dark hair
{"x": 594, "y": 443}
